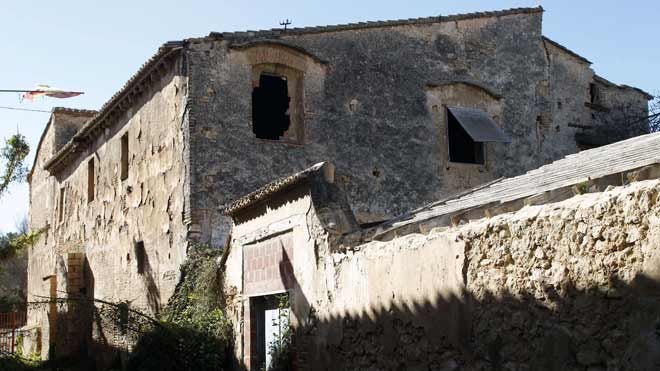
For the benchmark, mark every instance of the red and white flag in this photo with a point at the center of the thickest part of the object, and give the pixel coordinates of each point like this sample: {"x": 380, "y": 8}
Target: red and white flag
{"x": 45, "y": 90}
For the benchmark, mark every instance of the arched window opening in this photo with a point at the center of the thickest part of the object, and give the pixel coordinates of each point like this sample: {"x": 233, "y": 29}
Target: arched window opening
{"x": 270, "y": 107}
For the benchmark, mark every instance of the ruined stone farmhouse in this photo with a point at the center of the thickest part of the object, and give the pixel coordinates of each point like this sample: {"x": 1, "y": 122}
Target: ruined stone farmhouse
{"x": 410, "y": 111}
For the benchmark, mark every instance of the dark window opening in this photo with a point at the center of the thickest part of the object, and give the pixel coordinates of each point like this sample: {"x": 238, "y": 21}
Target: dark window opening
{"x": 462, "y": 148}
{"x": 270, "y": 106}
{"x": 124, "y": 157}
{"x": 90, "y": 180}
{"x": 593, "y": 94}
{"x": 140, "y": 256}
{"x": 61, "y": 208}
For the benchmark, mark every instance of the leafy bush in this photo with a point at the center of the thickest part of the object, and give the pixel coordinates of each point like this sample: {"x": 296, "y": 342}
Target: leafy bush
{"x": 193, "y": 332}
{"x": 171, "y": 347}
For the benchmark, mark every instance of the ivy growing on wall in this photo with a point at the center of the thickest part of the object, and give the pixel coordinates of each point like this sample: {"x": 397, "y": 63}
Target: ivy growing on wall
{"x": 193, "y": 332}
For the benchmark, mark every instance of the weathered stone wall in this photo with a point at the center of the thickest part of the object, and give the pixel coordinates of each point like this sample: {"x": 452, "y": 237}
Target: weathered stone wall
{"x": 148, "y": 206}
{"x": 622, "y": 112}
{"x": 372, "y": 103}
{"x": 563, "y": 94}
{"x": 66, "y": 125}
{"x": 365, "y": 110}
{"x": 567, "y": 286}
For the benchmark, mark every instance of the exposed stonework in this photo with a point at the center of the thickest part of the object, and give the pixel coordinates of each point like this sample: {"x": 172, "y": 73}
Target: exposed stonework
{"x": 573, "y": 285}
{"x": 369, "y": 97}
{"x": 372, "y": 106}
{"x": 148, "y": 206}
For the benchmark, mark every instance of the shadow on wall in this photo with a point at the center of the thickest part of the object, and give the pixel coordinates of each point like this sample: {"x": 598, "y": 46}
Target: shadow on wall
{"x": 582, "y": 330}
{"x": 147, "y": 274}
{"x": 91, "y": 333}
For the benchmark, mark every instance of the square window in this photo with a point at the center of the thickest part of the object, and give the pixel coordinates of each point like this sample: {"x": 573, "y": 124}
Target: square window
{"x": 462, "y": 148}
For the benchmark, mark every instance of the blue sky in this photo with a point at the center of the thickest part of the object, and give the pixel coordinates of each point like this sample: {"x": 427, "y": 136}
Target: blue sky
{"x": 96, "y": 46}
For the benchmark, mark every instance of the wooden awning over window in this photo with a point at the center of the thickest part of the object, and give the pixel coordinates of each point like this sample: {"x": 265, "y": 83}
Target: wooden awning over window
{"x": 479, "y": 126}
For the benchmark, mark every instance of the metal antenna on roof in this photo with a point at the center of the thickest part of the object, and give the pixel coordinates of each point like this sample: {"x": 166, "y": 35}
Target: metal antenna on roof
{"x": 285, "y": 23}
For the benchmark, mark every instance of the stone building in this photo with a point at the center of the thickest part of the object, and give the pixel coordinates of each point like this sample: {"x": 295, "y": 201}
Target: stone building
{"x": 556, "y": 269}
{"x": 410, "y": 110}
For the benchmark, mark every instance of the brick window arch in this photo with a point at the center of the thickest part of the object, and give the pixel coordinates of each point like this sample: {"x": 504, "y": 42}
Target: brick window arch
{"x": 278, "y": 74}
{"x": 277, "y": 103}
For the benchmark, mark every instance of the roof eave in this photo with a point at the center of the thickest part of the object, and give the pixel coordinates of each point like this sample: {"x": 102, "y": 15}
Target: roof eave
{"x": 262, "y": 193}
{"x": 84, "y": 135}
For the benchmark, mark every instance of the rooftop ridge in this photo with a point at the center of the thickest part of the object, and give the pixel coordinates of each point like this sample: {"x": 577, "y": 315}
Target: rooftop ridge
{"x": 374, "y": 24}
{"x": 74, "y": 110}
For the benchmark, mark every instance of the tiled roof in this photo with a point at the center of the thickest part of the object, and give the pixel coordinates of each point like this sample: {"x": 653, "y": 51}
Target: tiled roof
{"x": 85, "y": 112}
{"x": 571, "y": 170}
{"x": 271, "y": 188}
{"x": 76, "y": 144}
{"x": 375, "y": 24}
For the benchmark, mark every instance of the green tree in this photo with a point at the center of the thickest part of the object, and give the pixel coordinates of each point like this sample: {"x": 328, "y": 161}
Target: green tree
{"x": 12, "y": 156}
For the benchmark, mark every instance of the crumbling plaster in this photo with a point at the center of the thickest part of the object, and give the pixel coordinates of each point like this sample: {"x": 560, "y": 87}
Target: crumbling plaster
{"x": 572, "y": 285}
{"x": 365, "y": 98}
{"x": 563, "y": 96}
{"x": 148, "y": 206}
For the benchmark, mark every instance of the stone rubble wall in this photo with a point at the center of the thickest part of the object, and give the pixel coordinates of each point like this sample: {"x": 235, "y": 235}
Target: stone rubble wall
{"x": 368, "y": 111}
{"x": 573, "y": 285}
{"x": 148, "y": 206}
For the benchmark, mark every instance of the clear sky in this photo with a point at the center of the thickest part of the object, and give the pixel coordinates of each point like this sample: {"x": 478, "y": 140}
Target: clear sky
{"x": 95, "y": 46}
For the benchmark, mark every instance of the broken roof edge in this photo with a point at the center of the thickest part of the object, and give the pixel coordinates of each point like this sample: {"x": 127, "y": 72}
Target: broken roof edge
{"x": 607, "y": 82}
{"x": 60, "y": 158}
{"x": 324, "y": 169}
{"x": 566, "y": 50}
{"x": 374, "y": 24}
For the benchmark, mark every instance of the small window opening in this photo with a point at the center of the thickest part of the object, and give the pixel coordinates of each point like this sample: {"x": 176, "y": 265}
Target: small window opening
{"x": 124, "y": 156}
{"x": 90, "y": 180}
{"x": 270, "y": 107}
{"x": 462, "y": 148}
{"x": 593, "y": 94}
{"x": 61, "y": 206}
{"x": 140, "y": 256}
